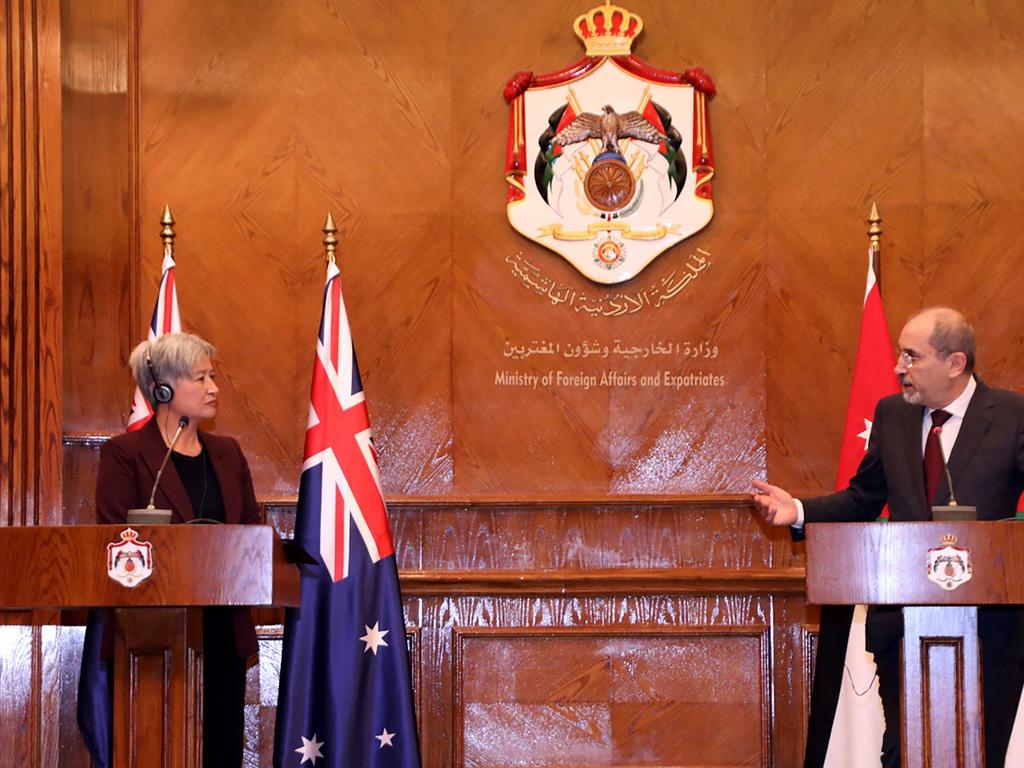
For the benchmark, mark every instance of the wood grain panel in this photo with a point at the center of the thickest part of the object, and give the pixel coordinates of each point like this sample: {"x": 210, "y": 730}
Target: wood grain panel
{"x": 972, "y": 152}
{"x": 70, "y": 749}
{"x": 260, "y": 220}
{"x": 855, "y": 108}
{"x": 19, "y": 702}
{"x": 844, "y": 94}
{"x": 30, "y": 263}
{"x": 99, "y": 262}
{"x": 693, "y": 698}
{"x": 29, "y": 692}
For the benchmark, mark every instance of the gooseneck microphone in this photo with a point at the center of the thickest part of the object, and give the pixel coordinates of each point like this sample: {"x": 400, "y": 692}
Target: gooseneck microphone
{"x": 151, "y": 515}
{"x": 951, "y": 511}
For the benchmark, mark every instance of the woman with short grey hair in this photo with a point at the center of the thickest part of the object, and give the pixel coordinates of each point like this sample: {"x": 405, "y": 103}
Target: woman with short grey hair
{"x": 207, "y": 478}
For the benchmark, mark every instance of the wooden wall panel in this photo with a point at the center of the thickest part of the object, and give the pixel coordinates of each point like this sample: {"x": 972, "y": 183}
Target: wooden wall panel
{"x": 100, "y": 263}
{"x": 30, "y": 263}
{"x": 252, "y": 144}
{"x": 844, "y": 93}
{"x": 841, "y": 105}
{"x": 697, "y": 697}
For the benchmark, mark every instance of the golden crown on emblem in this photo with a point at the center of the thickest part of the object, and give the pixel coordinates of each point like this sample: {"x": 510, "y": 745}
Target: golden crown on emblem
{"x": 948, "y": 539}
{"x": 608, "y": 30}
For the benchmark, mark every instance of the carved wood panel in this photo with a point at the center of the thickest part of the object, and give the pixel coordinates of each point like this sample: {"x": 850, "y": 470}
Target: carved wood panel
{"x": 698, "y": 696}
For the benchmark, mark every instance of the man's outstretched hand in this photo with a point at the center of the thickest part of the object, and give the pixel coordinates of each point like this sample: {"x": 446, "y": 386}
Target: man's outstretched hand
{"x": 775, "y": 504}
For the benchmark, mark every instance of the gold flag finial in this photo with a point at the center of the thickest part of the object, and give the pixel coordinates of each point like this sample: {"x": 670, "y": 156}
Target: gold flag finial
{"x": 330, "y": 241}
{"x": 875, "y": 242}
{"x": 167, "y": 231}
{"x": 875, "y": 226}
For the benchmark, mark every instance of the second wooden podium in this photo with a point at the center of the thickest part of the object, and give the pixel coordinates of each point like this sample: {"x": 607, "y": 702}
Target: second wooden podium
{"x": 940, "y": 572}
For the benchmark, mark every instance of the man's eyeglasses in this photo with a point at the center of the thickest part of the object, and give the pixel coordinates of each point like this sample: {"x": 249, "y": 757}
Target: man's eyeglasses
{"x": 907, "y": 359}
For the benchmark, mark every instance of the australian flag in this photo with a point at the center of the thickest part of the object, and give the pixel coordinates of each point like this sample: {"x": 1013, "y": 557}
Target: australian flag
{"x": 345, "y": 695}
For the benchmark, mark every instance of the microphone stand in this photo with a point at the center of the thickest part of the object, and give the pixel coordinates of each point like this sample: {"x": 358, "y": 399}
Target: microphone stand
{"x": 150, "y": 515}
{"x": 951, "y": 511}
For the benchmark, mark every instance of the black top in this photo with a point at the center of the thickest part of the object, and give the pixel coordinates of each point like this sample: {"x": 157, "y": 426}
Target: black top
{"x": 201, "y": 484}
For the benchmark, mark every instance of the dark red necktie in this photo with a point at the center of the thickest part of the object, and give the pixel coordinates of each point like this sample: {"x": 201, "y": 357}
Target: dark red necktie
{"x": 933, "y": 462}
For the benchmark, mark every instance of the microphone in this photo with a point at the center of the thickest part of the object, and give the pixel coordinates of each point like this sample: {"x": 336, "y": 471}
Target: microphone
{"x": 151, "y": 515}
{"x": 951, "y": 511}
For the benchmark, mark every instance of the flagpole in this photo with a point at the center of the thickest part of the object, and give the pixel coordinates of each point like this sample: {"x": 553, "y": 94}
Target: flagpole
{"x": 846, "y": 729}
{"x": 345, "y": 691}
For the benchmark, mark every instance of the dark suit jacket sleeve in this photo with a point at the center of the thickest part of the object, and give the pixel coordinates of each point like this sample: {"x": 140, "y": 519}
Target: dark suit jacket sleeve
{"x": 116, "y": 484}
{"x": 865, "y": 496}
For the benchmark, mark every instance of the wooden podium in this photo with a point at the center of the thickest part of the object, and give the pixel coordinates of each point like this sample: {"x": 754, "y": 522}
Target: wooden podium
{"x": 888, "y": 563}
{"x": 158, "y": 646}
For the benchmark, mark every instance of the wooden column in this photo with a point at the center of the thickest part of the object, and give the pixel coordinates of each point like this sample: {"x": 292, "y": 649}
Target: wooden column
{"x": 30, "y": 263}
{"x": 30, "y": 354}
{"x": 157, "y": 680}
{"x": 942, "y": 687}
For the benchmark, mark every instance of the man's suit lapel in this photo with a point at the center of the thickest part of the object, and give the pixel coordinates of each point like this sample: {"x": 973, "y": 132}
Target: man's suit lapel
{"x": 910, "y": 435}
{"x": 171, "y": 487}
{"x": 980, "y": 412}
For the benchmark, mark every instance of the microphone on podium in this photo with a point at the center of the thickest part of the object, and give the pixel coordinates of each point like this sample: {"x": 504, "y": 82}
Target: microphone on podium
{"x": 951, "y": 511}
{"x": 150, "y": 515}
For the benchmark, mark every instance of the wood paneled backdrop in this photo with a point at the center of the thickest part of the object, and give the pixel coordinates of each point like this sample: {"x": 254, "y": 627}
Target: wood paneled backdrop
{"x": 585, "y": 582}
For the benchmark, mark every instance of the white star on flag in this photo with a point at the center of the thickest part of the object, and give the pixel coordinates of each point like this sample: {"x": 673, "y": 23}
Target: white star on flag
{"x": 310, "y": 750}
{"x": 385, "y": 739}
{"x": 866, "y": 434}
{"x": 374, "y": 638}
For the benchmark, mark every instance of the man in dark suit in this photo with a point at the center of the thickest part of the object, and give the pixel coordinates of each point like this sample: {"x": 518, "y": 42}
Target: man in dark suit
{"x": 981, "y": 430}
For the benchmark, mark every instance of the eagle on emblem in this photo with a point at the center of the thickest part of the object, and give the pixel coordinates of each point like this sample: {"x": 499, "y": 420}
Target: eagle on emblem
{"x": 609, "y": 128}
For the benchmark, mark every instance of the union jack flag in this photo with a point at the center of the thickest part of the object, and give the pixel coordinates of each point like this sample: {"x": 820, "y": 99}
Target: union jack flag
{"x": 345, "y": 696}
{"x": 165, "y": 320}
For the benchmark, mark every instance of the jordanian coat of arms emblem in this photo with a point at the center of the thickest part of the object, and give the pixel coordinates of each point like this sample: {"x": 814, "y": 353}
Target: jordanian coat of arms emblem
{"x": 949, "y": 566}
{"x": 609, "y": 161}
{"x": 130, "y": 561}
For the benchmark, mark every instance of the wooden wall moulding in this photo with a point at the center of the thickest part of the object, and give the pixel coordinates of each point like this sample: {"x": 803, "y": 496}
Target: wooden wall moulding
{"x": 30, "y": 263}
{"x": 610, "y": 581}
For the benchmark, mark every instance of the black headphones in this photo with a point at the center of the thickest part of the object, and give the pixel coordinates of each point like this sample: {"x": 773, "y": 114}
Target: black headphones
{"x": 163, "y": 392}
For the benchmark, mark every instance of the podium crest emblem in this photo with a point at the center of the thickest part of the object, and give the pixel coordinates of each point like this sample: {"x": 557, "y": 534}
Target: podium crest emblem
{"x": 129, "y": 561}
{"x": 949, "y": 566}
{"x": 609, "y": 161}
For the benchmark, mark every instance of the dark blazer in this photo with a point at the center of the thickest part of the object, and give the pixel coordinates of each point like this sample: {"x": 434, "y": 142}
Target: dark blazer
{"x": 987, "y": 468}
{"x": 127, "y": 470}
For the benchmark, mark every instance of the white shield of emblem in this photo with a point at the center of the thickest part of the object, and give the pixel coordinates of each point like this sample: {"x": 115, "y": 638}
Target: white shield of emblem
{"x": 609, "y": 161}
{"x": 949, "y": 566}
{"x": 130, "y": 561}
